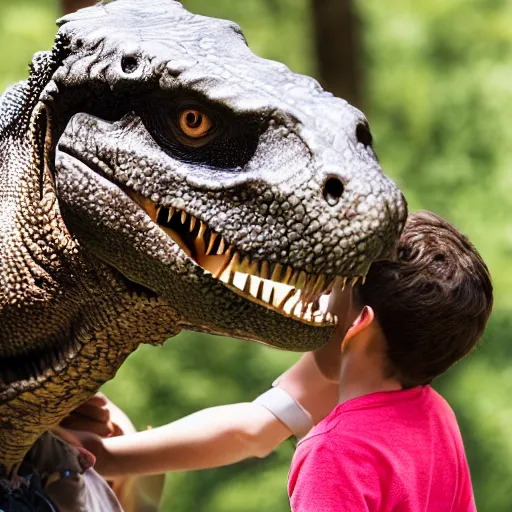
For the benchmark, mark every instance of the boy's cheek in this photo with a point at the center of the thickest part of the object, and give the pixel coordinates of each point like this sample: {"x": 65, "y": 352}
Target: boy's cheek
{"x": 340, "y": 304}
{"x": 328, "y": 359}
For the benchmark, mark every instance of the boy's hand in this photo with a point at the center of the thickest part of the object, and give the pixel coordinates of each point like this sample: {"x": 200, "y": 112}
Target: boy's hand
{"x": 93, "y": 445}
{"x": 94, "y": 416}
{"x": 94, "y": 421}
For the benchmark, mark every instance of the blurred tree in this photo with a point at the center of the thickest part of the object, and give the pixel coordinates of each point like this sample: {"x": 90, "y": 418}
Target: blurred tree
{"x": 336, "y": 29}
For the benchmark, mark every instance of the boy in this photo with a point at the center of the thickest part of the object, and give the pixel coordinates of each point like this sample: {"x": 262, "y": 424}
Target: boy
{"x": 391, "y": 443}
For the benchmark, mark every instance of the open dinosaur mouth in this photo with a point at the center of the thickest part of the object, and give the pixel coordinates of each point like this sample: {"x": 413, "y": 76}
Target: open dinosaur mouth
{"x": 290, "y": 292}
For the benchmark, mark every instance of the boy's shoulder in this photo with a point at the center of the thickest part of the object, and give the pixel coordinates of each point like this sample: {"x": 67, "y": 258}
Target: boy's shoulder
{"x": 373, "y": 421}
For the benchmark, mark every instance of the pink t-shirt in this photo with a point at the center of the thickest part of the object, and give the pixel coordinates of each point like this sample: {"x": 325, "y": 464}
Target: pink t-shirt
{"x": 397, "y": 451}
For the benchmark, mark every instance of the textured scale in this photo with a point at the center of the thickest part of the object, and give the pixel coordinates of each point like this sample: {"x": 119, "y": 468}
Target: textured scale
{"x": 86, "y": 275}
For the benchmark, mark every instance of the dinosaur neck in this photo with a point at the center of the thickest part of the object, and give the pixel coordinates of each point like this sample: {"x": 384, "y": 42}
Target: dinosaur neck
{"x": 100, "y": 340}
{"x": 67, "y": 321}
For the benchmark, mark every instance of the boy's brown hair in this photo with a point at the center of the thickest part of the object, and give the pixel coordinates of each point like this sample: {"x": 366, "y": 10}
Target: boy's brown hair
{"x": 433, "y": 302}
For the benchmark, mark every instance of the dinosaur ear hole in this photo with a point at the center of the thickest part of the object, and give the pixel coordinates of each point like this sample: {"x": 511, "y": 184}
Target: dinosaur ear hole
{"x": 129, "y": 64}
{"x": 364, "y": 135}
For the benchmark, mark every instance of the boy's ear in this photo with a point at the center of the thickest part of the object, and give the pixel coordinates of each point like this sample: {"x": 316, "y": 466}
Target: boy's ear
{"x": 362, "y": 322}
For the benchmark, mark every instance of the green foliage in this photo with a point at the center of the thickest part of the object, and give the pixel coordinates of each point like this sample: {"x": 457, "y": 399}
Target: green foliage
{"x": 438, "y": 98}
{"x": 25, "y": 27}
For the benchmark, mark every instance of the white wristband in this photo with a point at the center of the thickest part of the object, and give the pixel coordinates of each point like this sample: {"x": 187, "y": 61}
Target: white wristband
{"x": 287, "y": 410}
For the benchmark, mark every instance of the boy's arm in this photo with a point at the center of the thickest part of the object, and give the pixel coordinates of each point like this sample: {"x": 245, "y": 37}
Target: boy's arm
{"x": 213, "y": 437}
{"x": 210, "y": 438}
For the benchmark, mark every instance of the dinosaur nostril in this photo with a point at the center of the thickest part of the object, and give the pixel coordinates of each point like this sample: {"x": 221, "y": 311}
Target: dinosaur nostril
{"x": 129, "y": 64}
{"x": 333, "y": 190}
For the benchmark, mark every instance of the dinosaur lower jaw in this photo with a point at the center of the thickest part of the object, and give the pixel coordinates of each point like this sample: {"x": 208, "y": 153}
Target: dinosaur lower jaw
{"x": 290, "y": 292}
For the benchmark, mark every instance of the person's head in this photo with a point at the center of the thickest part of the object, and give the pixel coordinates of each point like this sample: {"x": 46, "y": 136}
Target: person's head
{"x": 429, "y": 307}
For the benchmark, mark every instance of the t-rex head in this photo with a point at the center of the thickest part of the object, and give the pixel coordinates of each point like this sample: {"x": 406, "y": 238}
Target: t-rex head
{"x": 208, "y": 175}
{"x": 173, "y": 177}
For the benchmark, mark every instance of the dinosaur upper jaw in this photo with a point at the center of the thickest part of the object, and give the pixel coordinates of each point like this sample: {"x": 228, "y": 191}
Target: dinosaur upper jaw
{"x": 291, "y": 293}
{"x": 278, "y": 287}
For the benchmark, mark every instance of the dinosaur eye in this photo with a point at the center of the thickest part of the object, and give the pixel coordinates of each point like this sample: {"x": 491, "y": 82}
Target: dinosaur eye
{"x": 194, "y": 124}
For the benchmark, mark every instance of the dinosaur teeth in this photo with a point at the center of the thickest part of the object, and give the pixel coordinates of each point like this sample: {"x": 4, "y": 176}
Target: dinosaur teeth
{"x": 235, "y": 260}
{"x": 202, "y": 229}
{"x": 259, "y": 290}
{"x": 287, "y": 297}
{"x": 291, "y": 303}
{"x": 222, "y": 245}
{"x": 293, "y": 279}
{"x": 287, "y": 275}
{"x": 319, "y": 284}
{"x": 247, "y": 286}
{"x": 301, "y": 280}
{"x": 222, "y": 268}
{"x": 55, "y": 362}
{"x": 264, "y": 269}
{"x": 244, "y": 264}
{"x": 272, "y": 296}
{"x": 291, "y": 292}
{"x": 340, "y": 282}
{"x": 213, "y": 238}
{"x": 282, "y": 297}
{"x": 276, "y": 273}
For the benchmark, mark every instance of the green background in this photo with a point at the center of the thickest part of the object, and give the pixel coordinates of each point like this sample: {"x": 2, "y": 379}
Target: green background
{"x": 437, "y": 92}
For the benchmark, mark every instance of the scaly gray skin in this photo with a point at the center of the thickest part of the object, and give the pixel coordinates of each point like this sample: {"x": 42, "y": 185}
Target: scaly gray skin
{"x": 91, "y": 151}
